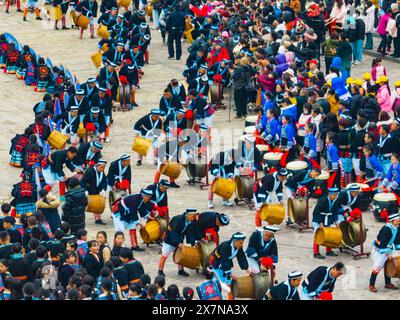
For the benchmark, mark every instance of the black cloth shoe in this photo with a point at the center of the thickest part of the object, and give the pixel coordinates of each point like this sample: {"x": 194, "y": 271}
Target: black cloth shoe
{"x": 101, "y": 222}
{"x": 24, "y": 19}
{"x": 19, "y": 10}
{"x": 137, "y": 248}
{"x": 318, "y": 256}
{"x": 332, "y": 254}
{"x": 65, "y": 28}
{"x": 174, "y": 185}
{"x": 139, "y": 163}
{"x": 7, "y": 11}
{"x": 183, "y": 273}
{"x": 39, "y": 18}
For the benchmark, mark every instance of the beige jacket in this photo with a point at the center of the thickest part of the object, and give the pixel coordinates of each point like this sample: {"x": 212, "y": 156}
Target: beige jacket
{"x": 54, "y": 202}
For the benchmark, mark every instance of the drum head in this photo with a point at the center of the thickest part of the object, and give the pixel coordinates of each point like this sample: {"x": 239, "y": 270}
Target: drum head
{"x": 384, "y": 197}
{"x": 249, "y": 130}
{"x": 361, "y": 185}
{"x": 297, "y": 165}
{"x": 273, "y": 156}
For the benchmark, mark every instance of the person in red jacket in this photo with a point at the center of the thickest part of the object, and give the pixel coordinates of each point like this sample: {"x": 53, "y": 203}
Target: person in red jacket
{"x": 218, "y": 52}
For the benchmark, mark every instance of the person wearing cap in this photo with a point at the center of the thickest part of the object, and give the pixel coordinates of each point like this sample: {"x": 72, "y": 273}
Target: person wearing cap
{"x": 248, "y": 157}
{"x": 169, "y": 103}
{"x": 89, "y": 9}
{"x": 88, "y": 154}
{"x": 90, "y": 87}
{"x": 197, "y": 103}
{"x": 129, "y": 75}
{"x": 208, "y": 224}
{"x": 81, "y": 101}
{"x": 349, "y": 202}
{"x": 301, "y": 182}
{"x": 200, "y": 84}
{"x": 178, "y": 90}
{"x": 149, "y": 127}
{"x": 175, "y": 26}
{"x": 220, "y": 75}
{"x": 320, "y": 280}
{"x": 108, "y": 78}
{"x": 287, "y": 290}
{"x": 173, "y": 150}
{"x": 262, "y": 249}
{"x": 52, "y": 167}
{"x": 136, "y": 57}
{"x": 69, "y": 123}
{"x": 94, "y": 181}
{"x": 142, "y": 39}
{"x": 115, "y": 55}
{"x": 265, "y": 187}
{"x": 95, "y": 123}
{"x": 195, "y": 65}
{"x": 221, "y": 261}
{"x": 119, "y": 174}
{"x": 160, "y": 198}
{"x": 109, "y": 10}
{"x": 181, "y": 227}
{"x": 103, "y": 100}
{"x": 383, "y": 247}
{"x": 175, "y": 123}
{"x": 222, "y": 165}
{"x": 132, "y": 211}
{"x": 325, "y": 214}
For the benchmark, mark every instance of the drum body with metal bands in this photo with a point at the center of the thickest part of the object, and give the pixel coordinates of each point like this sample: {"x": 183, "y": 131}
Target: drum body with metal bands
{"x": 57, "y": 140}
{"x": 295, "y": 166}
{"x": 223, "y": 187}
{"x": 328, "y": 237}
{"x": 385, "y": 201}
{"x": 96, "y": 204}
{"x": 171, "y": 169}
{"x": 392, "y": 268}
{"x": 196, "y": 170}
{"x": 102, "y": 32}
{"x": 187, "y": 256}
{"x": 272, "y": 159}
{"x": 272, "y": 213}
{"x": 206, "y": 248}
{"x": 141, "y": 145}
{"x": 364, "y": 196}
{"x": 124, "y": 94}
{"x": 250, "y": 121}
{"x": 244, "y": 187}
{"x": 251, "y": 287}
{"x": 352, "y": 235}
{"x": 297, "y": 210}
{"x": 321, "y": 183}
{"x": 154, "y": 230}
{"x": 82, "y": 21}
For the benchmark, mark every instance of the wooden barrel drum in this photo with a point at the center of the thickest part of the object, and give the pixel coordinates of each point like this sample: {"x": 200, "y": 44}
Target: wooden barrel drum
{"x": 351, "y": 233}
{"x": 244, "y": 187}
{"x": 272, "y": 213}
{"x": 329, "y": 237}
{"x": 171, "y": 169}
{"x": 251, "y": 287}
{"x": 297, "y": 210}
{"x": 223, "y": 187}
{"x": 392, "y": 268}
{"x": 96, "y": 204}
{"x": 187, "y": 256}
{"x": 154, "y": 230}
{"x": 141, "y": 145}
{"x": 57, "y": 140}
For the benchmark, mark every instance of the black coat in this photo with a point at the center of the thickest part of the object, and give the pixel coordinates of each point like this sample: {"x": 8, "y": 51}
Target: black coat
{"x": 89, "y": 182}
{"x": 252, "y": 158}
{"x": 82, "y": 104}
{"x": 99, "y": 122}
{"x": 323, "y": 207}
{"x": 316, "y": 278}
{"x": 223, "y": 253}
{"x": 74, "y": 209}
{"x": 58, "y": 159}
{"x": 82, "y": 158}
{"x": 177, "y": 232}
{"x": 134, "y": 208}
{"x": 92, "y": 265}
{"x": 113, "y": 175}
{"x": 219, "y": 166}
{"x": 145, "y": 124}
{"x": 299, "y": 179}
{"x": 257, "y": 248}
{"x": 266, "y": 185}
{"x": 66, "y": 121}
{"x": 284, "y": 291}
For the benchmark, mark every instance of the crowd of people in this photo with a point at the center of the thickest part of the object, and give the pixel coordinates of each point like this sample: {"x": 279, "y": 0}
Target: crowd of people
{"x": 331, "y": 137}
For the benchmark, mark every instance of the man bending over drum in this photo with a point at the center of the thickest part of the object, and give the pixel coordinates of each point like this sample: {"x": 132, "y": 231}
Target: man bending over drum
{"x": 349, "y": 202}
{"x": 181, "y": 227}
{"x": 209, "y": 223}
{"x": 119, "y": 174}
{"x": 159, "y": 198}
{"x": 221, "y": 261}
{"x": 264, "y": 188}
{"x": 325, "y": 214}
{"x": 286, "y": 290}
{"x": 386, "y": 242}
{"x": 262, "y": 250}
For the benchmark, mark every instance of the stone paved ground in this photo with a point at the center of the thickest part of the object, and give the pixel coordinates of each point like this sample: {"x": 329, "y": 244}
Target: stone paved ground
{"x": 16, "y": 102}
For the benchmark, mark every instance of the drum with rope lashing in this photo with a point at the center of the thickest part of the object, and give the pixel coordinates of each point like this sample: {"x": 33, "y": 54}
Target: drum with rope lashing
{"x": 250, "y": 121}
{"x": 171, "y": 169}
{"x": 352, "y": 235}
{"x": 321, "y": 185}
{"x": 272, "y": 159}
{"x": 329, "y": 237}
{"x": 295, "y": 166}
{"x": 392, "y": 268}
{"x": 272, "y": 213}
{"x": 384, "y": 201}
{"x": 187, "y": 256}
{"x": 252, "y": 286}
{"x": 364, "y": 196}
{"x": 154, "y": 230}
{"x": 244, "y": 187}
{"x": 223, "y": 187}
{"x": 297, "y": 210}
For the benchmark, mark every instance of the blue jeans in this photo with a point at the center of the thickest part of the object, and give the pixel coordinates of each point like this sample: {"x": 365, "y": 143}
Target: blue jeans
{"x": 369, "y": 43}
{"x": 357, "y": 52}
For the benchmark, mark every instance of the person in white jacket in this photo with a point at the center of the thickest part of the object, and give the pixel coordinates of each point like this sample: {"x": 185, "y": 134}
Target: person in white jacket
{"x": 369, "y": 20}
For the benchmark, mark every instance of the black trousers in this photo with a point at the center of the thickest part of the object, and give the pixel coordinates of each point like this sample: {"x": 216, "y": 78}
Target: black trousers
{"x": 383, "y": 44}
{"x": 396, "y": 44}
{"x": 175, "y": 36}
{"x": 240, "y": 98}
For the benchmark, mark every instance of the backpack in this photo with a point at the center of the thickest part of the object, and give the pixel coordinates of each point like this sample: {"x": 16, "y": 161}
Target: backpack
{"x": 25, "y": 189}
{"x": 209, "y": 291}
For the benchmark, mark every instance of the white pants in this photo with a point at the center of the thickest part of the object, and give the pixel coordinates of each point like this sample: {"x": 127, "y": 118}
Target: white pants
{"x": 356, "y": 166}
{"x": 50, "y": 177}
{"x": 379, "y": 259}
{"x": 118, "y": 224}
{"x": 167, "y": 249}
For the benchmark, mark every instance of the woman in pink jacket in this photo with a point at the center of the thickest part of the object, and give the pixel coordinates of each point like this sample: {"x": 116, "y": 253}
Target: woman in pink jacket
{"x": 267, "y": 81}
{"x": 381, "y": 30}
{"x": 383, "y": 95}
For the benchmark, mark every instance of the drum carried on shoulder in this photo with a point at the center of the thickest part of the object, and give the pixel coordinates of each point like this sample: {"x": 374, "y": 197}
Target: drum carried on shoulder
{"x": 252, "y": 287}
{"x": 154, "y": 230}
{"x": 383, "y": 201}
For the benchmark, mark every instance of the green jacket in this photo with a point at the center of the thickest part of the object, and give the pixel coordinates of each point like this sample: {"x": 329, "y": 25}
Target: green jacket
{"x": 330, "y": 46}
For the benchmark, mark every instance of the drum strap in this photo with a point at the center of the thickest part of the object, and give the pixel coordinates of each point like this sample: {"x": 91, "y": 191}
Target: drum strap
{"x": 291, "y": 291}
{"x": 121, "y": 171}
{"x": 234, "y": 251}
{"x": 159, "y": 197}
{"x": 99, "y": 176}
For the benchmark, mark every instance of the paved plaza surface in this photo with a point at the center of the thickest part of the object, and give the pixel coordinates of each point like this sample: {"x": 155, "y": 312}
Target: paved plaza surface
{"x": 64, "y": 47}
